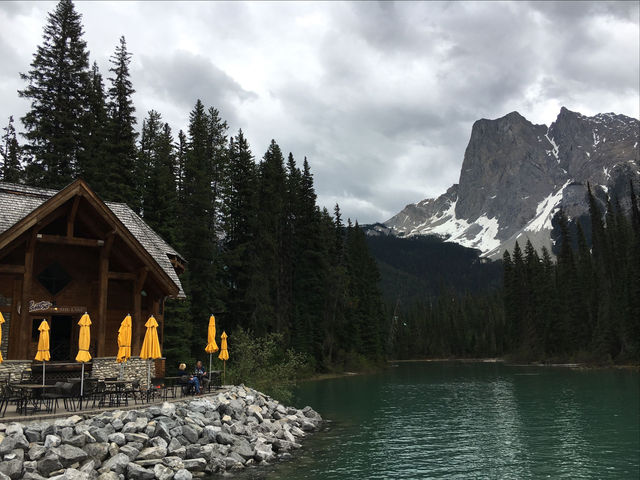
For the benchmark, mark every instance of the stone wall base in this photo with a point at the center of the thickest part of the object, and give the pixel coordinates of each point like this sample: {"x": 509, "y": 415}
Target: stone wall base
{"x": 133, "y": 369}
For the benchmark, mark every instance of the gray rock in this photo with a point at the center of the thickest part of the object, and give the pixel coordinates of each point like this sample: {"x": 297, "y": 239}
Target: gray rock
{"x": 174, "y": 444}
{"x": 13, "y": 429}
{"x": 117, "y": 463}
{"x": 97, "y": 451}
{"x": 11, "y": 443}
{"x": 224, "y": 438}
{"x": 162, "y": 431}
{"x": 68, "y": 454}
{"x": 130, "y": 451}
{"x": 71, "y": 474}
{"x": 173, "y": 462}
{"x": 162, "y": 473}
{"x": 89, "y": 467}
{"x": 30, "y": 466}
{"x": 117, "y": 438}
{"x": 31, "y": 476}
{"x": 117, "y": 424}
{"x": 100, "y": 434}
{"x": 264, "y": 452}
{"x": 195, "y": 464}
{"x": 159, "y": 442}
{"x": 183, "y": 474}
{"x": 4, "y": 477}
{"x": 109, "y": 476}
{"x": 190, "y": 433}
{"x": 50, "y": 463}
{"x": 152, "y": 452}
{"x": 32, "y": 435}
{"x": 12, "y": 468}
{"x": 77, "y": 441}
{"x": 194, "y": 451}
{"x": 244, "y": 449}
{"x": 137, "y": 437}
{"x": 136, "y": 472}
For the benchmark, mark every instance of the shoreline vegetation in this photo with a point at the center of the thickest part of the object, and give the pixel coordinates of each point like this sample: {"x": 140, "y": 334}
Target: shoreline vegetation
{"x": 515, "y": 362}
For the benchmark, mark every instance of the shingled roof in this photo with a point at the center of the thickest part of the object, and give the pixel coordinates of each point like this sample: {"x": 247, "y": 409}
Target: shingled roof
{"x": 18, "y": 201}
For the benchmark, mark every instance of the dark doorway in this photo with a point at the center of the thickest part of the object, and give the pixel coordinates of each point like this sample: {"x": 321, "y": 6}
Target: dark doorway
{"x": 60, "y": 337}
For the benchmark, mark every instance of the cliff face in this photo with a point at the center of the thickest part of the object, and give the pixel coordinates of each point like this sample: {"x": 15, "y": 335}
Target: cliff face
{"x": 516, "y": 175}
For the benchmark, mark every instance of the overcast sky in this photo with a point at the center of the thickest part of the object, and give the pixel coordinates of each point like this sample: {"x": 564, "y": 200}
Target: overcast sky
{"x": 380, "y": 97}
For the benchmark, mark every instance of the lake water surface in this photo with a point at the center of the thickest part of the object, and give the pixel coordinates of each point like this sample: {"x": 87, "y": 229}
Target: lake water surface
{"x": 470, "y": 421}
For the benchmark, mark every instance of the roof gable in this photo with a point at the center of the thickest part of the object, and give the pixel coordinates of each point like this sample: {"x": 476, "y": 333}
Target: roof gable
{"x": 21, "y": 206}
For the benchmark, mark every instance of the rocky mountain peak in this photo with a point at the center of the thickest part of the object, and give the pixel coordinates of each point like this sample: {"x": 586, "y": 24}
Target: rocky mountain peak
{"x": 516, "y": 174}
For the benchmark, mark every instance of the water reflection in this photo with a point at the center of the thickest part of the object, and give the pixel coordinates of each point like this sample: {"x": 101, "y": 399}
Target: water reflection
{"x": 478, "y": 421}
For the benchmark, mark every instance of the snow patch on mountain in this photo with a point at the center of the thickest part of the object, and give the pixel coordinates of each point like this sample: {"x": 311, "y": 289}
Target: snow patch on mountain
{"x": 545, "y": 211}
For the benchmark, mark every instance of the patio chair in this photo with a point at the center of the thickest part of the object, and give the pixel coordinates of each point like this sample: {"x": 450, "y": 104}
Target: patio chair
{"x": 10, "y": 394}
{"x": 51, "y": 396}
{"x": 70, "y": 394}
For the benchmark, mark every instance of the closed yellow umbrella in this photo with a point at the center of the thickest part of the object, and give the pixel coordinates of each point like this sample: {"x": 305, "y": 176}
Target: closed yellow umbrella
{"x": 43, "y": 346}
{"x": 124, "y": 340}
{"x": 1, "y": 322}
{"x": 211, "y": 347}
{"x": 150, "y": 345}
{"x": 84, "y": 340}
{"x": 224, "y": 354}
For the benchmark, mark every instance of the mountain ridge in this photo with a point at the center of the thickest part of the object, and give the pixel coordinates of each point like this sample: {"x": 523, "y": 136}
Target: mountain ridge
{"x": 516, "y": 175}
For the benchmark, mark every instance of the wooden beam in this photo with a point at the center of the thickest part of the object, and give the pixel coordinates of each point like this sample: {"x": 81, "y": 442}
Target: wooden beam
{"x": 103, "y": 291}
{"x": 75, "y": 241}
{"x": 25, "y": 319}
{"x": 15, "y": 324}
{"x": 122, "y": 276}
{"x": 17, "y": 269}
{"x": 71, "y": 219}
{"x": 138, "y": 321}
{"x": 7, "y": 250}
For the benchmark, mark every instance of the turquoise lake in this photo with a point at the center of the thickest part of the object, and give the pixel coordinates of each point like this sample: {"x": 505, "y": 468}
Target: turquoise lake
{"x": 458, "y": 420}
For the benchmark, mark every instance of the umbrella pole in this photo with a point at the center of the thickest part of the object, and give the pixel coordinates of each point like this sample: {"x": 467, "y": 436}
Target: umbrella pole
{"x": 210, "y": 355}
{"x": 82, "y": 380}
{"x": 224, "y": 372}
{"x": 148, "y": 375}
{"x": 43, "y": 372}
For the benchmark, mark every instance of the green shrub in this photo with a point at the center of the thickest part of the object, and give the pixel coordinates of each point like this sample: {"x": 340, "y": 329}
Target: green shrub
{"x": 264, "y": 364}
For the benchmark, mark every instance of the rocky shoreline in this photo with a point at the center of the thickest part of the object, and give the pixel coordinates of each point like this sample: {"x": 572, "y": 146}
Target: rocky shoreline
{"x": 182, "y": 440}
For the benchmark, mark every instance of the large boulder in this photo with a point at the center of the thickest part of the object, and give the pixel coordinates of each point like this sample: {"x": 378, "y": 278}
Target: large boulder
{"x": 68, "y": 454}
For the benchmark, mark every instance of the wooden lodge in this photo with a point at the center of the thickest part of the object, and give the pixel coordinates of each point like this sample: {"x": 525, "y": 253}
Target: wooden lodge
{"x": 66, "y": 252}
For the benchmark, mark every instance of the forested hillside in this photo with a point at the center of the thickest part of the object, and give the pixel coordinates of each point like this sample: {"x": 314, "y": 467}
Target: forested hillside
{"x": 261, "y": 254}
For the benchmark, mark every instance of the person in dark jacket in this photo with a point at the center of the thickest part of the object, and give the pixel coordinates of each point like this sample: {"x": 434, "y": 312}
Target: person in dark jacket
{"x": 187, "y": 379}
{"x": 201, "y": 374}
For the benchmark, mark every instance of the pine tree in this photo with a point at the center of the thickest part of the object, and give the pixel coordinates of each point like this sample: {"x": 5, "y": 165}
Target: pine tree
{"x": 239, "y": 223}
{"x": 198, "y": 222}
{"x": 93, "y": 156}
{"x": 120, "y": 182}
{"x": 271, "y": 222}
{"x": 57, "y": 86}
{"x": 10, "y": 153}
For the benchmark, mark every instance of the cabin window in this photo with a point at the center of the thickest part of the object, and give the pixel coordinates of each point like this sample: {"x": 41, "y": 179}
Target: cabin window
{"x": 5, "y": 301}
{"x": 54, "y": 278}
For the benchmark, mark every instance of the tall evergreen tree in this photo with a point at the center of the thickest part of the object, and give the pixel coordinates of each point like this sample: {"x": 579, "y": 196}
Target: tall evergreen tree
{"x": 239, "y": 223}
{"x": 120, "y": 182}
{"x": 57, "y": 86}
{"x": 94, "y": 154}
{"x": 10, "y": 154}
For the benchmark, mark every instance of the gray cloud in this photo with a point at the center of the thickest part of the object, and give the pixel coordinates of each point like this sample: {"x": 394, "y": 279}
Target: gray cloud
{"x": 380, "y": 97}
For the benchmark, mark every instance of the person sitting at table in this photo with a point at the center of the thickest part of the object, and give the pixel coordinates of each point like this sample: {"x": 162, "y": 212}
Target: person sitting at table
{"x": 200, "y": 373}
{"x": 187, "y": 379}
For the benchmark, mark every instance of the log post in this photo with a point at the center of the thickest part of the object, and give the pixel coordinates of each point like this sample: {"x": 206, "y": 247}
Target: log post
{"x": 25, "y": 319}
{"x": 138, "y": 321}
{"x": 103, "y": 291}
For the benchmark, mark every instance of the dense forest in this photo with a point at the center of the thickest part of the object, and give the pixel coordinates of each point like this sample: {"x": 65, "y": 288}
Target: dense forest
{"x": 584, "y": 307}
{"x": 268, "y": 261}
{"x": 260, "y": 253}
